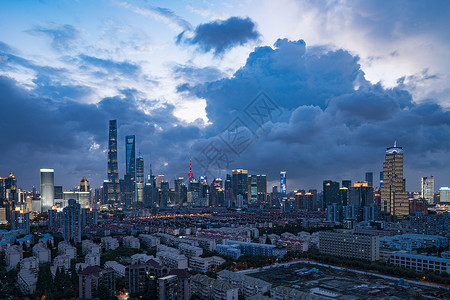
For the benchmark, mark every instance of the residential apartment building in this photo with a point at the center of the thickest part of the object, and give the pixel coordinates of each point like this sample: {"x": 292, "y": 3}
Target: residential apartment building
{"x": 345, "y": 243}
{"x": 420, "y": 262}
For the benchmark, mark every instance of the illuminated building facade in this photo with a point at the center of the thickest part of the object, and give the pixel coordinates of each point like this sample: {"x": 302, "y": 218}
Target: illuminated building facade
{"x": 283, "y": 182}
{"x": 427, "y": 189}
{"x": 394, "y": 198}
{"x": 47, "y": 189}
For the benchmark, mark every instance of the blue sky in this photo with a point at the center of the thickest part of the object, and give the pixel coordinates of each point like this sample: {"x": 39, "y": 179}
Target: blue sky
{"x": 343, "y": 80}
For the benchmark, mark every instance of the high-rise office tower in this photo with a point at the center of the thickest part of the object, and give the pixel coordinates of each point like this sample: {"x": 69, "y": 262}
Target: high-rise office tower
{"x": 283, "y": 182}
{"x": 444, "y": 194}
{"x": 140, "y": 178}
{"x": 361, "y": 194}
{"x": 130, "y": 158}
{"x": 159, "y": 179}
{"x": 427, "y": 189}
{"x": 261, "y": 182}
{"x": 72, "y": 222}
{"x": 239, "y": 183}
{"x": 330, "y": 193}
{"x": 369, "y": 178}
{"x": 252, "y": 188}
{"x": 130, "y": 152}
{"x": 10, "y": 187}
{"x": 112, "y": 188}
{"x": 180, "y": 191}
{"x": 47, "y": 189}
{"x": 381, "y": 178}
{"x": 394, "y": 198}
{"x": 217, "y": 196}
{"x": 84, "y": 185}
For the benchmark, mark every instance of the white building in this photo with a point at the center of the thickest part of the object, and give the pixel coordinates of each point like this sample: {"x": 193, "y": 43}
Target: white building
{"x": 92, "y": 259}
{"x": 64, "y": 248}
{"x": 88, "y": 246}
{"x": 165, "y": 248}
{"x": 141, "y": 258}
{"x": 149, "y": 241}
{"x": 13, "y": 256}
{"x": 62, "y": 262}
{"x": 131, "y": 242}
{"x": 205, "y": 263}
{"x": 27, "y": 279}
{"x": 190, "y": 251}
{"x": 30, "y": 263}
{"x": 42, "y": 253}
{"x": 172, "y": 260}
{"x": 420, "y": 262}
{"x": 119, "y": 269}
{"x": 109, "y": 243}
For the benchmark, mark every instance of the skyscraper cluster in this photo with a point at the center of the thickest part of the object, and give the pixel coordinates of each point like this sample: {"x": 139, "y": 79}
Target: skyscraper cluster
{"x": 130, "y": 189}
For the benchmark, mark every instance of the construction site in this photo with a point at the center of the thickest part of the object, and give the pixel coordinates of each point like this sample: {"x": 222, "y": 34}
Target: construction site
{"x": 334, "y": 283}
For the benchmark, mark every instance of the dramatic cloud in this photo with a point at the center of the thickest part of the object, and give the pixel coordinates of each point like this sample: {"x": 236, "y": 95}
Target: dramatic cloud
{"x": 72, "y": 137}
{"x": 63, "y": 36}
{"x": 220, "y": 36}
{"x": 333, "y": 123}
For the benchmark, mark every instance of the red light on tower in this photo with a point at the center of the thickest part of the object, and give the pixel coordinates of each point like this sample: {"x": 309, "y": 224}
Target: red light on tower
{"x": 191, "y": 175}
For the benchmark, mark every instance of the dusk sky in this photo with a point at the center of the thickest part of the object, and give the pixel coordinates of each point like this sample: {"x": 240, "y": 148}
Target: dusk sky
{"x": 334, "y": 82}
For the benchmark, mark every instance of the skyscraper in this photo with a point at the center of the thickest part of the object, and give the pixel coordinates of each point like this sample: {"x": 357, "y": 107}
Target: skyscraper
{"x": 330, "y": 193}
{"x": 283, "y": 182}
{"x": 84, "y": 185}
{"x": 72, "y": 222}
{"x": 261, "y": 181}
{"x": 130, "y": 152}
{"x": 113, "y": 187}
{"x": 252, "y": 188}
{"x": 47, "y": 189}
{"x": 130, "y": 158}
{"x": 239, "y": 183}
{"x": 394, "y": 198}
{"x": 369, "y": 178}
{"x": 140, "y": 178}
{"x": 427, "y": 189}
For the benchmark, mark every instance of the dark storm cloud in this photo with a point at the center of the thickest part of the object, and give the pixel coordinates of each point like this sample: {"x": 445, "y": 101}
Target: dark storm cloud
{"x": 111, "y": 66}
{"x": 220, "y": 36}
{"x": 71, "y": 136}
{"x": 335, "y": 123}
{"x": 63, "y": 36}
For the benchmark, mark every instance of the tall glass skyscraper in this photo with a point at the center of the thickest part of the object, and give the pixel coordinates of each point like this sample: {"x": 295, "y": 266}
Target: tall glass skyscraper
{"x": 47, "y": 189}
{"x": 283, "y": 182}
{"x": 140, "y": 178}
{"x": 130, "y": 157}
{"x": 130, "y": 152}
{"x": 113, "y": 187}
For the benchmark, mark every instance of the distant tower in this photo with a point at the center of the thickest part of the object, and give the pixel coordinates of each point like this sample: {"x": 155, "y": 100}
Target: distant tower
{"x": 84, "y": 185}
{"x": 369, "y": 178}
{"x": 47, "y": 189}
{"x": 113, "y": 187}
{"x": 283, "y": 182}
{"x": 72, "y": 222}
{"x": 191, "y": 175}
{"x": 394, "y": 198}
{"x": 130, "y": 158}
{"x": 140, "y": 178}
{"x": 427, "y": 189}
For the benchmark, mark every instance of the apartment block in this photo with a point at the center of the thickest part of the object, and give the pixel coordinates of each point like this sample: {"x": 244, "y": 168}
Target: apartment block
{"x": 345, "y": 243}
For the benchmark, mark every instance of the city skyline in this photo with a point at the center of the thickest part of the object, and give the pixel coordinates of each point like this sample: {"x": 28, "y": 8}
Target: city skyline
{"x": 330, "y": 103}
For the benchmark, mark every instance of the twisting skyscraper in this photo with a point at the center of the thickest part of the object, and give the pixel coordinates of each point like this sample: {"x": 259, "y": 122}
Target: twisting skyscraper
{"x": 394, "y": 198}
{"x": 113, "y": 188}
